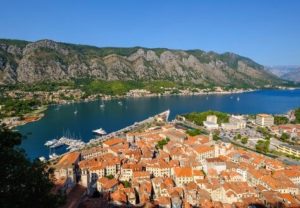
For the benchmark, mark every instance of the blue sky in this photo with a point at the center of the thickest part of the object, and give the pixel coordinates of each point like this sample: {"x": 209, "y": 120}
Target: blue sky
{"x": 267, "y": 31}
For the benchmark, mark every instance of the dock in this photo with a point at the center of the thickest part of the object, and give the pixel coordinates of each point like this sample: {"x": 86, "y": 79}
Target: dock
{"x": 164, "y": 115}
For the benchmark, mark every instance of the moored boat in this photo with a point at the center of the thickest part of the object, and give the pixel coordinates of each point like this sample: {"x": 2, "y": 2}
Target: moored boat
{"x": 99, "y": 131}
{"x": 51, "y": 142}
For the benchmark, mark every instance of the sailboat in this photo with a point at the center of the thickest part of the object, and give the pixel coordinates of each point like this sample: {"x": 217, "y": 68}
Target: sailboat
{"x": 102, "y": 105}
{"x": 52, "y": 155}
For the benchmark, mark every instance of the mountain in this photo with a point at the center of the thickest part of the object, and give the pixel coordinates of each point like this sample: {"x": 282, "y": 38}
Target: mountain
{"x": 291, "y": 73}
{"x": 47, "y": 60}
{"x": 292, "y": 76}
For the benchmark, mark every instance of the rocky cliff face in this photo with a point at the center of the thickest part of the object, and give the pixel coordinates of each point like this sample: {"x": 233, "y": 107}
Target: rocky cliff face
{"x": 45, "y": 60}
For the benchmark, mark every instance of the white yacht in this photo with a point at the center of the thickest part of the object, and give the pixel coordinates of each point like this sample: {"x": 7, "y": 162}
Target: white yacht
{"x": 51, "y": 142}
{"x": 42, "y": 159}
{"x": 53, "y": 156}
{"x": 75, "y": 112}
{"x": 99, "y": 131}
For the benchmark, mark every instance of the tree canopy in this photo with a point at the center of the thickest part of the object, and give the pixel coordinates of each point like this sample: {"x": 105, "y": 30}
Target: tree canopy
{"x": 199, "y": 117}
{"x": 278, "y": 120}
{"x": 23, "y": 183}
{"x": 297, "y": 115}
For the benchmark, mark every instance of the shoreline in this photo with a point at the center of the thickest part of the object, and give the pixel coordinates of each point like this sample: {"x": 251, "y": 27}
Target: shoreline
{"x": 13, "y": 122}
{"x": 116, "y": 97}
{"x": 40, "y": 115}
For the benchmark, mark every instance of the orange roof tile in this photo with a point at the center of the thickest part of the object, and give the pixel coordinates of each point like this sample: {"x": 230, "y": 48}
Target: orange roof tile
{"x": 114, "y": 141}
{"x": 68, "y": 160}
{"x": 183, "y": 172}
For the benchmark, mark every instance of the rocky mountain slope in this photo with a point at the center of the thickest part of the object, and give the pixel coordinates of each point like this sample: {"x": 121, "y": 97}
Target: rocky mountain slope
{"x": 30, "y": 62}
{"x": 292, "y": 76}
{"x": 291, "y": 73}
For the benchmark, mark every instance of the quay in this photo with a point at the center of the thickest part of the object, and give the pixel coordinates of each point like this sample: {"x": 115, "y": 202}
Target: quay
{"x": 164, "y": 116}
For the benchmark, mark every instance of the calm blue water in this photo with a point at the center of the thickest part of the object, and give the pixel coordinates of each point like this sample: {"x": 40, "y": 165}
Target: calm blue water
{"x": 90, "y": 116}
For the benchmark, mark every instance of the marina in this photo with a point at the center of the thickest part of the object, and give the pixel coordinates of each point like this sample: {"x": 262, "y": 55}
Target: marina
{"x": 72, "y": 145}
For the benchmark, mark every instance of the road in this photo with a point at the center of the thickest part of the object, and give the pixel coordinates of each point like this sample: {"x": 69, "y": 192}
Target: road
{"x": 283, "y": 159}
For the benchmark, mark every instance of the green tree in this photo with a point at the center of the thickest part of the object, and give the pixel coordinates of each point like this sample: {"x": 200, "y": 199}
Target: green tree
{"x": 284, "y": 137}
{"x": 244, "y": 140}
{"x": 126, "y": 184}
{"x": 262, "y": 146}
{"x": 23, "y": 183}
{"x": 160, "y": 144}
{"x": 199, "y": 117}
{"x": 297, "y": 115}
{"x": 237, "y": 137}
{"x": 109, "y": 176}
{"x": 278, "y": 120}
{"x": 193, "y": 132}
{"x": 264, "y": 131}
{"x": 216, "y": 136}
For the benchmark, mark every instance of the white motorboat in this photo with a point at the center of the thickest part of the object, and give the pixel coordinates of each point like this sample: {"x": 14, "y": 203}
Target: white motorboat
{"x": 42, "y": 159}
{"x": 75, "y": 112}
{"x": 53, "y": 156}
{"x": 51, "y": 142}
{"x": 120, "y": 103}
{"x": 99, "y": 131}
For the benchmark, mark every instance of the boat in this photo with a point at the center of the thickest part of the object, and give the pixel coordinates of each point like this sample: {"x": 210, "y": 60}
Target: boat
{"x": 99, "y": 131}
{"x": 238, "y": 98}
{"x": 51, "y": 142}
{"x": 59, "y": 142}
{"x": 75, "y": 112}
{"x": 102, "y": 106}
{"x": 120, "y": 103}
{"x": 53, "y": 156}
{"x": 42, "y": 159}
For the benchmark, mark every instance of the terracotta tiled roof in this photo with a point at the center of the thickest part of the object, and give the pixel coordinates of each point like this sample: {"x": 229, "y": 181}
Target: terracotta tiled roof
{"x": 108, "y": 183}
{"x": 140, "y": 174}
{"x": 203, "y": 149}
{"x": 68, "y": 160}
{"x": 183, "y": 172}
{"x": 114, "y": 141}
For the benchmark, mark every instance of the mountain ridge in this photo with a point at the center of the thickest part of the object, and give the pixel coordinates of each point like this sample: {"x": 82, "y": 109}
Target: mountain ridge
{"x": 287, "y": 72}
{"x": 47, "y": 60}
